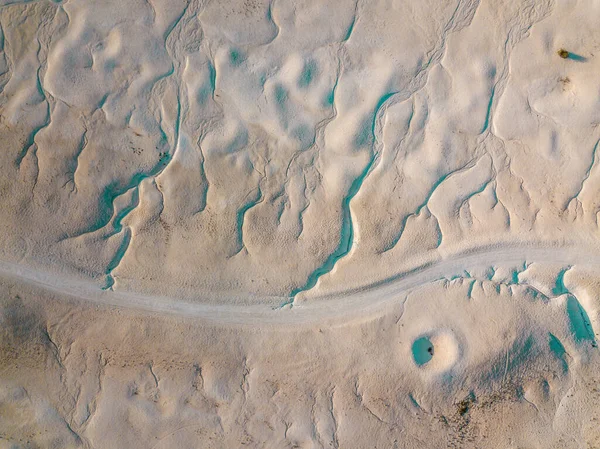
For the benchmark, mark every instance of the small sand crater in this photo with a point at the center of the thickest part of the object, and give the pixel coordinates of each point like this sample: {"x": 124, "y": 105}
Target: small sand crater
{"x": 437, "y": 351}
{"x": 422, "y": 350}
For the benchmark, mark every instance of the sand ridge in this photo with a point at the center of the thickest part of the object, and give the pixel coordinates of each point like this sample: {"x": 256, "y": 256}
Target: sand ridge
{"x": 299, "y": 224}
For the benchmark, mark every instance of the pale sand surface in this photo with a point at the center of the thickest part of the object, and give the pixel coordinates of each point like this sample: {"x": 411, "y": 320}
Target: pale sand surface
{"x": 312, "y": 224}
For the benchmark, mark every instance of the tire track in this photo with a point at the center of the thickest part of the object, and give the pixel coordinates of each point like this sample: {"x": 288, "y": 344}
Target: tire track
{"x": 358, "y": 303}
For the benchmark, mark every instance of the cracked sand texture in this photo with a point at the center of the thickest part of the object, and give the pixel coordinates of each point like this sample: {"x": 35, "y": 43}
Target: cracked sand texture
{"x": 307, "y": 223}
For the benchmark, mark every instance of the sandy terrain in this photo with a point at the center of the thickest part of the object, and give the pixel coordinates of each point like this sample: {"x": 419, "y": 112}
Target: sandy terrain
{"x": 312, "y": 224}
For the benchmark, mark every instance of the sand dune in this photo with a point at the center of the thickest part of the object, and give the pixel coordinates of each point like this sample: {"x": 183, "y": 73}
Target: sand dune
{"x": 307, "y": 224}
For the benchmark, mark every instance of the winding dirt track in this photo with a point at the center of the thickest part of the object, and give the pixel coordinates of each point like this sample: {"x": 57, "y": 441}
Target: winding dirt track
{"x": 341, "y": 306}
